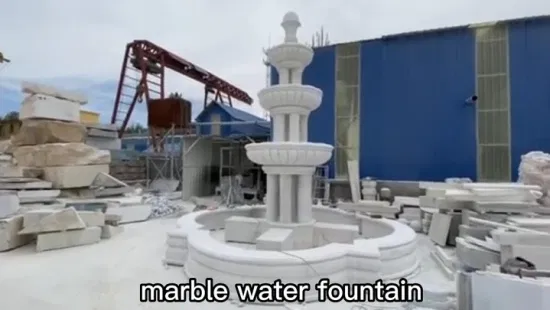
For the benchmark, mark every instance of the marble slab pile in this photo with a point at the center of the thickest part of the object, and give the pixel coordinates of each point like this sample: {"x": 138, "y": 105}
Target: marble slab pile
{"x": 52, "y": 139}
{"x": 488, "y": 223}
{"x": 48, "y": 160}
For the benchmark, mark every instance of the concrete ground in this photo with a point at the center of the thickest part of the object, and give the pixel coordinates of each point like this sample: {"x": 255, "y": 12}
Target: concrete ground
{"x": 106, "y": 276}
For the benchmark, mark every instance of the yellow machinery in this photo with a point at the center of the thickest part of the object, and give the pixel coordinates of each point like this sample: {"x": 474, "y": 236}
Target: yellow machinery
{"x": 89, "y": 117}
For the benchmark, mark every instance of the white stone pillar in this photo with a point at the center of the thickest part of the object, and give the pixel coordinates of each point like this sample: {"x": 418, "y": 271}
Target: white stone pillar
{"x": 304, "y": 199}
{"x": 297, "y": 76}
{"x": 272, "y": 198}
{"x": 278, "y": 127}
{"x": 284, "y": 76}
{"x": 294, "y": 127}
{"x": 285, "y": 198}
{"x": 303, "y": 128}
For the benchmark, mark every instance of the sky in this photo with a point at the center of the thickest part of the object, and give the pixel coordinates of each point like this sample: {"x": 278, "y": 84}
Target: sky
{"x": 79, "y": 45}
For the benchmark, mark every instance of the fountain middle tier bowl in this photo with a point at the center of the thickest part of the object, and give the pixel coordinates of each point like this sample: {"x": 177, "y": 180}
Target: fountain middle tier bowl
{"x": 298, "y": 154}
{"x": 290, "y": 98}
{"x": 290, "y": 56}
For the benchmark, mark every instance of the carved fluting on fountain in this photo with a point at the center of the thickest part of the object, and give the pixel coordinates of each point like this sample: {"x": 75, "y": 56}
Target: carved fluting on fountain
{"x": 289, "y": 160}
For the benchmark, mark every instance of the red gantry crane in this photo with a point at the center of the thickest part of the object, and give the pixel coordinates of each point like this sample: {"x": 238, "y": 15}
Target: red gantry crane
{"x": 149, "y": 61}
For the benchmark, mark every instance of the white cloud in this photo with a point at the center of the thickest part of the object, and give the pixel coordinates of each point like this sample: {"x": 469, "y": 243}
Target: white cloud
{"x": 85, "y": 40}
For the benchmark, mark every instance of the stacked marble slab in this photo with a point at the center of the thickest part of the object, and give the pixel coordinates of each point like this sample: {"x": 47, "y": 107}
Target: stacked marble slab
{"x": 368, "y": 189}
{"x": 20, "y": 190}
{"x": 103, "y": 136}
{"x": 64, "y": 228}
{"x": 473, "y": 217}
{"x": 52, "y": 139}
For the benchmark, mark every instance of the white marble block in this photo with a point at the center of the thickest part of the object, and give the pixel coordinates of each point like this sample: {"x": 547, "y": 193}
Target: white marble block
{"x": 35, "y": 88}
{"x": 9, "y": 203}
{"x": 42, "y": 221}
{"x": 131, "y": 213}
{"x": 43, "y": 106}
{"x": 92, "y": 218}
{"x": 9, "y": 233}
{"x": 73, "y": 176}
{"x": 67, "y": 239}
{"x": 109, "y": 231}
{"x": 338, "y": 233}
{"x": 241, "y": 229}
{"x": 275, "y": 239}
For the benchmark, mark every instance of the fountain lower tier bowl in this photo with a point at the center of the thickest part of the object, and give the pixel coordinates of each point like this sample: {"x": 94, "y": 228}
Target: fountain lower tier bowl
{"x": 379, "y": 249}
{"x": 289, "y": 154}
{"x": 290, "y": 56}
{"x": 290, "y": 98}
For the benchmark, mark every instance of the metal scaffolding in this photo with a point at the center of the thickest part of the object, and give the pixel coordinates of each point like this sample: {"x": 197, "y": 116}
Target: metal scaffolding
{"x": 166, "y": 164}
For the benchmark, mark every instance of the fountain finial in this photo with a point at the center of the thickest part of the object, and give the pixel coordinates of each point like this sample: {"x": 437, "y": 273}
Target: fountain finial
{"x": 291, "y": 23}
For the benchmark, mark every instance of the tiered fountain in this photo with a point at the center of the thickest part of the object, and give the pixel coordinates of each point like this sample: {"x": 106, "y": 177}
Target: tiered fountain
{"x": 289, "y": 239}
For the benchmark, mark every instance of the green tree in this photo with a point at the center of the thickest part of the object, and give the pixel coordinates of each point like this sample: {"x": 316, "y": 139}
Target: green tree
{"x": 175, "y": 95}
{"x": 13, "y": 115}
{"x": 136, "y": 128}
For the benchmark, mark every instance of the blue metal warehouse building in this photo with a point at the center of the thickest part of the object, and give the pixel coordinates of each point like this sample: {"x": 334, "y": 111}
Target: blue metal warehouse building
{"x": 398, "y": 104}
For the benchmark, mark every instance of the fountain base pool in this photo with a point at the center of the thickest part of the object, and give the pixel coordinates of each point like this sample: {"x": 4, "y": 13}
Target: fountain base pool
{"x": 384, "y": 249}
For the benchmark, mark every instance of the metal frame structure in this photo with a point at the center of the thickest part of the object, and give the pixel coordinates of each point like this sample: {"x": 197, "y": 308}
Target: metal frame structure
{"x": 169, "y": 159}
{"x": 150, "y": 62}
{"x": 235, "y": 142}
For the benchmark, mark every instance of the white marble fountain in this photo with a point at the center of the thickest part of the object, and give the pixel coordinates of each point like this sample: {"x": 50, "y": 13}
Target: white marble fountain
{"x": 289, "y": 238}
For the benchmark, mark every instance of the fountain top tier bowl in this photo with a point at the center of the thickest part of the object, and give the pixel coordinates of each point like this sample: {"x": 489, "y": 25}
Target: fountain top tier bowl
{"x": 290, "y": 54}
{"x": 290, "y": 98}
{"x": 289, "y": 154}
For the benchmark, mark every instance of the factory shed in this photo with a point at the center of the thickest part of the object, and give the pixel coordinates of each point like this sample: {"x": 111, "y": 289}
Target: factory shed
{"x": 465, "y": 101}
{"x": 226, "y": 121}
{"x": 216, "y": 149}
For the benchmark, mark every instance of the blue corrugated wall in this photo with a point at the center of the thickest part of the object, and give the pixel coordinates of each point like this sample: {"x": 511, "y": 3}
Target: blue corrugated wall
{"x": 529, "y": 44}
{"x": 414, "y": 122}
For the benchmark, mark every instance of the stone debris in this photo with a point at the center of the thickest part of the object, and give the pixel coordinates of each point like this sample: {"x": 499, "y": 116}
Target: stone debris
{"x": 202, "y": 203}
{"x": 162, "y": 206}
